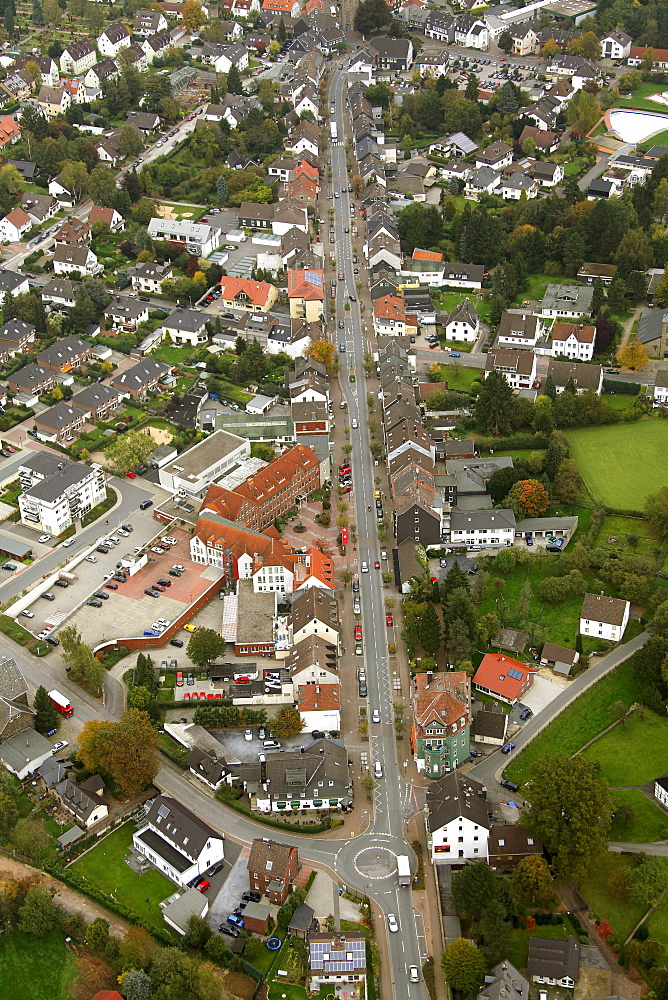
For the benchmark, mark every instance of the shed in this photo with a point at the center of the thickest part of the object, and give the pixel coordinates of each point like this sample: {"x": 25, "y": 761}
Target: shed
{"x": 181, "y": 908}
{"x": 303, "y": 921}
{"x": 70, "y": 837}
{"x": 161, "y": 455}
{"x": 260, "y": 404}
{"x": 14, "y": 548}
{"x": 256, "y": 918}
{"x": 511, "y": 639}
{"x": 560, "y": 658}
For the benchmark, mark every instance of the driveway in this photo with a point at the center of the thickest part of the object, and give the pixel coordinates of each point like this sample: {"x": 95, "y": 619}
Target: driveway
{"x": 235, "y": 881}
{"x": 542, "y": 692}
{"x": 322, "y": 895}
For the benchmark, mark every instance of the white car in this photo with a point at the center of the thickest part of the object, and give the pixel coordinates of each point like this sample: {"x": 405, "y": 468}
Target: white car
{"x": 413, "y": 974}
{"x": 164, "y": 622}
{"x": 169, "y": 540}
{"x": 57, "y": 747}
{"x": 27, "y": 614}
{"x": 158, "y": 627}
{"x": 44, "y": 539}
{"x": 392, "y": 923}
{"x": 248, "y": 735}
{"x": 92, "y": 559}
{"x": 181, "y": 569}
{"x": 122, "y": 533}
{"x": 158, "y": 551}
{"x": 375, "y": 715}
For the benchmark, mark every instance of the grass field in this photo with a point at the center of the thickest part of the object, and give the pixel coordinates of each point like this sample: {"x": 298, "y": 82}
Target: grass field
{"x": 650, "y": 823}
{"x": 635, "y": 753}
{"x": 605, "y": 900}
{"x": 460, "y": 379}
{"x": 104, "y": 866}
{"x": 622, "y": 464}
{"x": 535, "y": 287}
{"x": 660, "y": 139}
{"x": 658, "y": 923}
{"x": 579, "y": 723}
{"x": 449, "y": 300}
{"x": 34, "y": 968}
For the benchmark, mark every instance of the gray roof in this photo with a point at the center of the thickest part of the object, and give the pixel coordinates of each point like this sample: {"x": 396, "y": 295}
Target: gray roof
{"x": 190, "y": 903}
{"x": 80, "y": 802}
{"x": 52, "y": 772}
{"x": 31, "y": 376}
{"x": 126, "y": 308}
{"x": 464, "y": 312}
{"x": 459, "y": 271}
{"x": 567, "y": 523}
{"x": 456, "y": 795}
{"x": 67, "y": 474}
{"x": 651, "y": 325}
{"x": 483, "y": 176}
{"x": 568, "y": 297}
{"x": 302, "y": 918}
{"x": 9, "y": 280}
{"x": 460, "y": 521}
{"x": 491, "y": 724}
{"x": 143, "y": 373}
{"x": 554, "y": 959}
{"x": 185, "y": 319}
{"x": 94, "y": 396}
{"x": 553, "y": 653}
{"x": 23, "y": 748}
{"x": 584, "y": 376}
{"x": 14, "y": 547}
{"x": 60, "y": 287}
{"x": 503, "y": 982}
{"x": 59, "y": 416}
{"x": 293, "y": 775}
{"x": 15, "y": 330}
{"x": 179, "y": 825}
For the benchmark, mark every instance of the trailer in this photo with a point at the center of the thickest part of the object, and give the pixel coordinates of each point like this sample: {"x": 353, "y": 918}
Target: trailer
{"x": 404, "y": 876}
{"x": 61, "y": 703}
{"x": 67, "y": 577}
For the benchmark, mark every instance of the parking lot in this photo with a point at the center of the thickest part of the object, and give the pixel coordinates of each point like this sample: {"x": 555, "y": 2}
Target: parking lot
{"x": 237, "y": 748}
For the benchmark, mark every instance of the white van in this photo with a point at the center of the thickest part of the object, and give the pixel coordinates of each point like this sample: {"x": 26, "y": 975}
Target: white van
{"x": 378, "y": 769}
{"x": 365, "y": 567}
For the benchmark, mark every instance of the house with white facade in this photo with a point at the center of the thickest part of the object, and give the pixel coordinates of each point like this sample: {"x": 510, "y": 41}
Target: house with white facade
{"x": 519, "y": 330}
{"x": 113, "y": 39}
{"x": 458, "y": 275}
{"x": 567, "y": 301}
{"x": 148, "y": 277}
{"x": 583, "y": 376}
{"x": 471, "y": 32}
{"x": 661, "y": 387}
{"x": 481, "y": 529}
{"x": 83, "y": 800}
{"x": 615, "y": 45}
{"x": 185, "y": 326}
{"x": 458, "y": 820}
{"x": 463, "y": 323}
{"x": 661, "y": 790}
{"x": 315, "y": 612}
{"x": 195, "y": 237}
{"x": 78, "y": 57}
{"x": 319, "y": 706}
{"x": 68, "y": 259}
{"x": 336, "y": 959}
{"x": 15, "y": 225}
{"x": 604, "y": 617}
{"x": 57, "y": 492}
{"x": 484, "y": 180}
{"x": 177, "y": 842}
{"x": 573, "y": 340}
{"x": 518, "y": 367}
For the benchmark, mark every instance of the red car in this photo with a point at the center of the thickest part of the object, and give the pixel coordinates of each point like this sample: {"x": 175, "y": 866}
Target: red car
{"x": 203, "y": 886}
{"x": 130, "y": 475}
{"x": 376, "y": 565}
{"x": 341, "y": 277}
{"x": 358, "y": 631}
{"x": 389, "y": 620}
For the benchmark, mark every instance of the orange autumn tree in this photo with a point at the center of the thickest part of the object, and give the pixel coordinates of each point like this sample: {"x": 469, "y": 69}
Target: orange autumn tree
{"x": 528, "y": 498}
{"x": 125, "y": 751}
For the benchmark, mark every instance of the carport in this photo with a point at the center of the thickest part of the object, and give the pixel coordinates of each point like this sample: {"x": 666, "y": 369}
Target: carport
{"x": 14, "y": 548}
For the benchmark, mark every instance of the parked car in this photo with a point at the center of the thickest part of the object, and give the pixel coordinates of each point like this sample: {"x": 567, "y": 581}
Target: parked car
{"x": 526, "y": 714}
{"x": 94, "y": 603}
{"x": 91, "y": 559}
{"x": 101, "y": 595}
{"x": 49, "y": 597}
{"x": 176, "y": 642}
{"x": 110, "y": 585}
{"x": 151, "y": 593}
{"x": 12, "y": 566}
{"x": 145, "y": 504}
{"x": 251, "y": 897}
{"x": 509, "y": 747}
{"x": 510, "y": 785}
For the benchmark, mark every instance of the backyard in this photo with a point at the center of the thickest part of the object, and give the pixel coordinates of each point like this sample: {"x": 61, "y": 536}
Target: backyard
{"x": 648, "y": 824}
{"x": 34, "y": 968}
{"x": 458, "y": 377}
{"x": 603, "y": 889}
{"x": 579, "y": 723}
{"x": 104, "y": 866}
{"x": 519, "y": 949}
{"x": 448, "y": 300}
{"x": 635, "y": 753}
{"x": 608, "y": 458}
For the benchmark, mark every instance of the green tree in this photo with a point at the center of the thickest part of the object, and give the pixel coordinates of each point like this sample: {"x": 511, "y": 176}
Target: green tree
{"x": 140, "y": 698}
{"x": 37, "y": 13}
{"x": 205, "y": 646}
{"x": 8, "y": 802}
{"x": 587, "y": 46}
{"x": 130, "y": 142}
{"x": 550, "y": 388}
{"x": 198, "y": 934}
{"x": 532, "y": 879}
{"x": 136, "y": 985}
{"x": 46, "y": 715}
{"x": 583, "y": 112}
{"x": 75, "y": 177}
{"x": 571, "y": 811}
{"x": 9, "y": 22}
{"x": 464, "y": 966}
{"x": 97, "y": 935}
{"x": 38, "y": 915}
{"x": 495, "y": 404}
{"x": 281, "y": 33}
{"x": 501, "y": 482}
{"x": 495, "y": 933}
{"x": 129, "y": 450}
{"x": 420, "y": 226}
{"x": 287, "y": 722}
{"x": 647, "y": 881}
{"x": 371, "y": 15}
{"x": 659, "y": 623}
{"x": 656, "y": 512}
{"x": 31, "y": 838}
{"x": 475, "y": 886}
{"x": 458, "y": 644}
{"x": 505, "y": 41}
{"x": 126, "y": 751}
{"x": 221, "y": 189}
{"x": 86, "y": 669}
{"x": 430, "y": 633}
{"x": 234, "y": 84}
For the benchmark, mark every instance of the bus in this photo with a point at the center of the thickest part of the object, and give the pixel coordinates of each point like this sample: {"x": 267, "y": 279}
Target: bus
{"x": 61, "y": 703}
{"x": 333, "y": 130}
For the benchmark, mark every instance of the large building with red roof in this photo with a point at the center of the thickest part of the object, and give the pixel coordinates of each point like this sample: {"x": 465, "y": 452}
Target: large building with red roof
{"x": 242, "y": 293}
{"x": 503, "y": 678}
{"x": 306, "y": 292}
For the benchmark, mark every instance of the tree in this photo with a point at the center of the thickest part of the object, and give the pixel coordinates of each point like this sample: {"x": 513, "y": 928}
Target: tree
{"x": 126, "y": 751}
{"x": 38, "y": 915}
{"x": 633, "y": 355}
{"x": 571, "y": 811}
{"x": 625, "y": 813}
{"x": 495, "y": 932}
{"x": 97, "y": 935}
{"x": 647, "y": 881}
{"x": 86, "y": 669}
{"x": 528, "y": 498}
{"x": 136, "y": 985}
{"x": 281, "y": 33}
{"x": 430, "y": 630}
{"x": 130, "y": 142}
{"x": 568, "y": 484}
{"x": 475, "y": 886}
{"x": 323, "y": 351}
{"x": 287, "y": 721}
{"x": 140, "y": 698}
{"x": 221, "y": 189}
{"x": 583, "y": 112}
{"x": 464, "y": 966}
{"x": 198, "y": 934}
{"x": 532, "y": 879}
{"x": 495, "y": 404}
{"x": 505, "y": 41}
{"x": 587, "y": 46}
{"x": 234, "y": 84}
{"x": 656, "y": 512}
{"x": 371, "y": 15}
{"x": 501, "y": 482}
{"x": 659, "y": 623}
{"x": 46, "y": 715}
{"x": 129, "y": 450}
{"x": 420, "y": 226}
{"x": 550, "y": 49}
{"x": 31, "y": 838}
{"x": 75, "y": 176}
{"x": 37, "y": 16}
{"x": 193, "y": 16}
{"x": 458, "y": 643}
{"x": 204, "y": 646}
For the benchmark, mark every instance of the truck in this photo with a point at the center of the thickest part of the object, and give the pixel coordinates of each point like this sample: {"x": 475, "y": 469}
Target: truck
{"x": 67, "y": 577}
{"x": 61, "y": 703}
{"x": 404, "y": 876}
{"x": 333, "y": 130}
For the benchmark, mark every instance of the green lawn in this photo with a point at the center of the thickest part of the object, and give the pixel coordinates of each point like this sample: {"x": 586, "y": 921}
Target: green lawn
{"x": 619, "y": 401}
{"x": 620, "y": 528}
{"x": 650, "y": 823}
{"x": 660, "y": 139}
{"x": 519, "y": 949}
{"x": 459, "y": 377}
{"x": 576, "y": 165}
{"x": 635, "y": 753}
{"x": 605, "y": 900}
{"x": 278, "y": 990}
{"x": 34, "y": 968}
{"x": 640, "y": 98}
{"x": 579, "y": 723}
{"x": 448, "y": 301}
{"x": 172, "y": 355}
{"x": 105, "y": 867}
{"x": 658, "y": 924}
{"x": 622, "y": 464}
{"x": 536, "y": 285}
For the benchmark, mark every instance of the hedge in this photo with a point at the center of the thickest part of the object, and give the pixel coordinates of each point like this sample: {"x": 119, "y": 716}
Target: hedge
{"x": 518, "y": 442}
{"x": 227, "y": 716}
{"x": 260, "y": 817}
{"x": 626, "y": 388}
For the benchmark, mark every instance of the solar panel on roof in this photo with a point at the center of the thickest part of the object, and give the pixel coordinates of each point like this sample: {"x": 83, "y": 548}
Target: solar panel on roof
{"x": 515, "y": 673}
{"x": 163, "y": 811}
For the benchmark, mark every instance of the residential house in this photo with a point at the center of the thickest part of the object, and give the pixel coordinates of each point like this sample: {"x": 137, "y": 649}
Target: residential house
{"x": 561, "y": 659}
{"x": 59, "y": 293}
{"x": 48, "y": 69}
{"x": 481, "y": 181}
{"x": 660, "y": 789}
{"x": 102, "y": 73}
{"x": 503, "y": 678}
{"x": 16, "y": 715}
{"x": 460, "y": 275}
{"x": 84, "y": 801}
{"x": 604, "y": 617}
{"x": 125, "y": 314}
{"x": 315, "y": 612}
{"x": 60, "y": 423}
{"x": 27, "y": 169}
{"x": 185, "y": 326}
{"x": 463, "y": 323}
{"x": 336, "y": 959}
{"x": 65, "y": 354}
{"x": 56, "y": 491}
{"x": 108, "y": 217}
{"x": 615, "y": 45}
{"x": 78, "y": 57}
{"x": 441, "y": 721}
{"x": 272, "y": 868}
{"x": 573, "y": 341}
{"x": 545, "y": 141}
{"x": 517, "y": 367}
{"x": 504, "y": 981}
{"x": 40, "y": 207}
{"x": 73, "y": 232}
{"x": 589, "y": 273}
{"x": 525, "y": 39}
{"x": 195, "y": 237}
{"x": 312, "y": 661}
{"x": 148, "y": 22}
{"x": 99, "y": 401}
{"x": 519, "y": 330}
{"x": 12, "y": 282}
{"x": 508, "y": 845}
{"x": 177, "y": 842}
{"x": 393, "y": 55}
{"x": 660, "y": 397}
{"x": 146, "y": 123}
{"x": 584, "y": 376}
{"x": 67, "y": 260}
{"x": 489, "y": 727}
{"x": 18, "y": 86}
{"x": 32, "y": 380}
{"x": 306, "y": 295}
{"x": 319, "y": 706}
{"x": 10, "y": 131}
{"x": 547, "y": 174}
{"x": 113, "y": 39}
{"x": 389, "y": 317}
{"x": 481, "y": 529}
{"x": 142, "y": 378}
{"x": 15, "y": 226}
{"x": 554, "y": 963}
{"x": 638, "y": 53}
{"x": 24, "y": 753}
{"x": 471, "y": 32}
{"x": 247, "y": 295}
{"x": 458, "y": 821}
{"x": 566, "y": 301}
{"x": 156, "y": 45}
{"x": 149, "y": 277}
{"x": 517, "y": 184}
{"x": 108, "y": 151}
{"x": 15, "y": 338}
{"x": 497, "y": 156}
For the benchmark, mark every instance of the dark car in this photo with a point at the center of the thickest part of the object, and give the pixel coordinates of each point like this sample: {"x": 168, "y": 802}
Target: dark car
{"x": 52, "y": 641}
{"x": 508, "y": 748}
{"x": 5, "y": 453}
{"x": 58, "y": 583}
{"x": 174, "y": 572}
{"x": 176, "y": 642}
{"x": 128, "y": 527}
{"x": 231, "y": 931}
{"x": 12, "y": 566}
{"x": 101, "y": 595}
{"x": 94, "y": 603}
{"x": 145, "y": 504}
{"x": 510, "y": 785}
{"x": 110, "y": 585}
{"x": 362, "y": 689}
{"x": 476, "y": 753}
{"x": 317, "y": 734}
{"x": 526, "y": 714}
{"x": 216, "y": 868}
{"x": 103, "y": 549}
{"x": 165, "y": 583}
{"x": 49, "y": 597}
{"x": 251, "y": 897}
{"x": 151, "y": 593}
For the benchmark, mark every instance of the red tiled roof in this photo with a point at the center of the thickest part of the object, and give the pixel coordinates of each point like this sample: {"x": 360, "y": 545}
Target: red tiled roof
{"x": 274, "y": 475}
{"x": 318, "y": 697}
{"x": 639, "y": 52}
{"x": 258, "y": 292}
{"x": 306, "y": 285}
{"x": 493, "y": 674}
{"x": 18, "y": 217}
{"x": 8, "y": 130}
{"x": 389, "y": 307}
{"x": 426, "y": 255}
{"x": 321, "y": 566}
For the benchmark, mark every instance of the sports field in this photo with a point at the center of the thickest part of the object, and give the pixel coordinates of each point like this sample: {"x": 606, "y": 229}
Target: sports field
{"x": 622, "y": 464}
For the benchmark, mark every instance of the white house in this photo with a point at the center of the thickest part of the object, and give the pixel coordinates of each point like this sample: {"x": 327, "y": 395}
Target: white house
{"x": 315, "y": 612}
{"x": 458, "y": 820}
{"x": 481, "y": 181}
{"x": 661, "y": 387}
{"x": 463, "y": 323}
{"x": 604, "y": 617}
{"x": 481, "y": 529}
{"x": 584, "y": 377}
{"x": 567, "y": 301}
{"x": 471, "y": 32}
{"x": 178, "y": 842}
{"x": 113, "y": 39}
{"x": 232, "y": 55}
{"x": 57, "y": 491}
{"x": 517, "y": 367}
{"x": 195, "y": 238}
{"x": 78, "y": 57}
{"x": 661, "y": 790}
{"x": 458, "y": 275}
{"x": 84, "y": 800}
{"x": 82, "y": 259}
{"x": 185, "y": 326}
{"x": 148, "y": 277}
{"x": 15, "y": 225}
{"x": 319, "y": 706}
{"x": 573, "y": 341}
{"x": 615, "y": 45}
{"x": 519, "y": 330}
